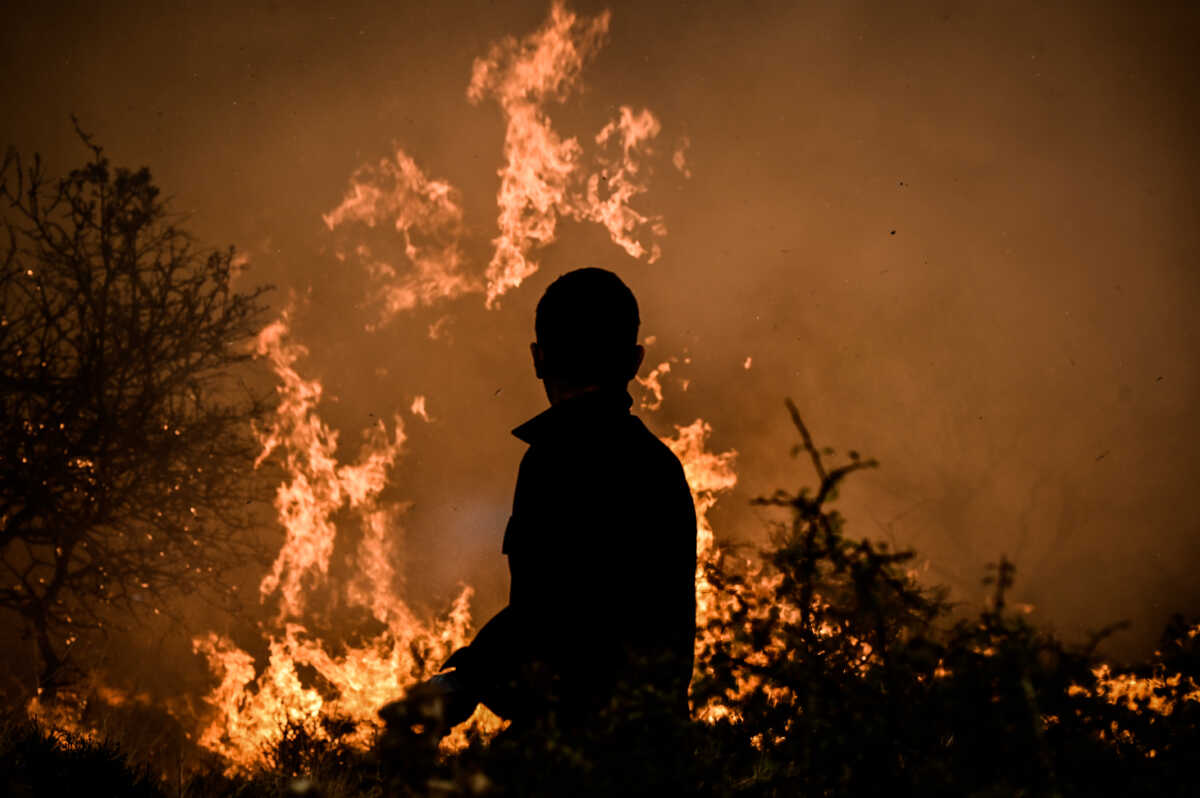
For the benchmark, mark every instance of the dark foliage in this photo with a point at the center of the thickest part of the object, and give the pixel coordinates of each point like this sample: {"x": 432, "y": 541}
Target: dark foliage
{"x": 125, "y": 424}
{"x": 35, "y": 762}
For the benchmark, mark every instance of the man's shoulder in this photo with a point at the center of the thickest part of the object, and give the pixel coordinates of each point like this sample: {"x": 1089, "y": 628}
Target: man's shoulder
{"x": 645, "y": 437}
{"x": 629, "y": 445}
{"x": 656, "y": 453}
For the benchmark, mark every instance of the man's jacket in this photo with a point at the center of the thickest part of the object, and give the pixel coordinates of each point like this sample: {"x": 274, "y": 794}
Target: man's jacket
{"x": 601, "y": 550}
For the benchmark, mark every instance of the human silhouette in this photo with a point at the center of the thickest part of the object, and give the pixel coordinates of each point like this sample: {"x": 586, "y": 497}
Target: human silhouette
{"x": 601, "y": 543}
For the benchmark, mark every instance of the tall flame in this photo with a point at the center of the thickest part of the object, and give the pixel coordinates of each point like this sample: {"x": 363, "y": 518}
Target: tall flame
{"x": 542, "y": 180}
{"x": 319, "y": 485}
{"x": 250, "y": 709}
{"x": 708, "y": 475}
{"x": 543, "y": 177}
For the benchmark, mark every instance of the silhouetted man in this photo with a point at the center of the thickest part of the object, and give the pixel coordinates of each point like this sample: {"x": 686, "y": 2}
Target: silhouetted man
{"x": 601, "y": 543}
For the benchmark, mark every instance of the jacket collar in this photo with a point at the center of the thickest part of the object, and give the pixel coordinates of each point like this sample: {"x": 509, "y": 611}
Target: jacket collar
{"x": 579, "y": 414}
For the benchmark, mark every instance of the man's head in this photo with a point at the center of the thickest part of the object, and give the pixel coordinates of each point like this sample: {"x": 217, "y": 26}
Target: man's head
{"x": 587, "y": 326}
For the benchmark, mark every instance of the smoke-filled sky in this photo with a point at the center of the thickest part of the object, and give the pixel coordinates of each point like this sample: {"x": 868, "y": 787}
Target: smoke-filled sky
{"x": 961, "y": 236}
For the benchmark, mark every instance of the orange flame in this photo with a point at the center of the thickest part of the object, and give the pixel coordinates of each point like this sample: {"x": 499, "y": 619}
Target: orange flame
{"x": 542, "y": 178}
{"x": 621, "y": 178}
{"x": 652, "y": 382}
{"x": 418, "y": 409}
{"x": 1128, "y": 689}
{"x": 249, "y": 710}
{"x": 708, "y": 476}
{"x": 319, "y": 485}
{"x": 428, "y": 216}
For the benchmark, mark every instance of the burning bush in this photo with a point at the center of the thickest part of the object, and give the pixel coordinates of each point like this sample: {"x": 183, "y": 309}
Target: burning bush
{"x": 834, "y": 672}
{"x": 824, "y": 668}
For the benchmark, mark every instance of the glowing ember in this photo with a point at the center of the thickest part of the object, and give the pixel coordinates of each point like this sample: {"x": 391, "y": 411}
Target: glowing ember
{"x": 73, "y": 712}
{"x": 679, "y": 157}
{"x": 1134, "y": 691}
{"x": 418, "y": 409}
{"x": 653, "y": 385}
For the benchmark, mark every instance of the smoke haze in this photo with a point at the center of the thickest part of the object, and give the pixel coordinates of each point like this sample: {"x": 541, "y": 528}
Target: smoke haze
{"x": 962, "y": 238}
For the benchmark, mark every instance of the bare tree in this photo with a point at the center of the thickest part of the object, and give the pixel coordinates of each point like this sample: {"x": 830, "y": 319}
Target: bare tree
{"x": 126, "y": 434}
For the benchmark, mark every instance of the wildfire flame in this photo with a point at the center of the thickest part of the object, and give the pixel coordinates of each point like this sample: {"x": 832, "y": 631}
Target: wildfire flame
{"x": 708, "y": 475}
{"x": 543, "y": 176}
{"x": 428, "y": 216}
{"x": 1128, "y": 689}
{"x": 249, "y": 709}
{"x": 418, "y": 409}
{"x": 652, "y": 383}
{"x": 319, "y": 485}
{"x": 543, "y": 179}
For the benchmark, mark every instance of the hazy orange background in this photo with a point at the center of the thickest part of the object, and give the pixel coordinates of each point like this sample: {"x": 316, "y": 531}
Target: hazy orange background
{"x": 1020, "y": 353}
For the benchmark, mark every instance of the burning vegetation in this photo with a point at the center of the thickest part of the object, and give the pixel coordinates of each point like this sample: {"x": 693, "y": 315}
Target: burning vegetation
{"x": 822, "y": 665}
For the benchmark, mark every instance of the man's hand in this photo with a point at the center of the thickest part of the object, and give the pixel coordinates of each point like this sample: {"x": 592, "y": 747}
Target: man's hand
{"x": 433, "y": 707}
